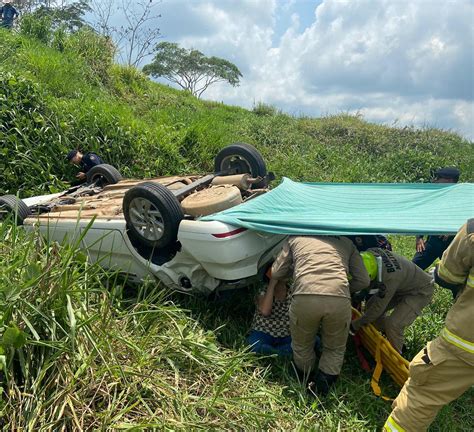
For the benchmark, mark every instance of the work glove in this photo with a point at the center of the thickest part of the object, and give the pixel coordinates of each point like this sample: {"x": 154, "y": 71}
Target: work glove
{"x": 360, "y": 296}
{"x": 378, "y": 288}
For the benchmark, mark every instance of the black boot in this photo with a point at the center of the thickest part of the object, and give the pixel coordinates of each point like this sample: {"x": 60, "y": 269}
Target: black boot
{"x": 322, "y": 383}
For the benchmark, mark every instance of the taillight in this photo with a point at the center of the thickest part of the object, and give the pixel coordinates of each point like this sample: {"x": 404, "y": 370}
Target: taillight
{"x": 230, "y": 233}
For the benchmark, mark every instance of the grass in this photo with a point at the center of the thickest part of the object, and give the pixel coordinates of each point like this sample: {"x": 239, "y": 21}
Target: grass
{"x": 81, "y": 351}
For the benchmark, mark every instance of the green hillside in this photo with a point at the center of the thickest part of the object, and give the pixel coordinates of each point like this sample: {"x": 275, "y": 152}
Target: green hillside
{"x": 53, "y": 101}
{"x": 81, "y": 351}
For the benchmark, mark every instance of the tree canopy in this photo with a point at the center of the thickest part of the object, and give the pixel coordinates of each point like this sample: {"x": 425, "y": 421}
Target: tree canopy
{"x": 58, "y": 13}
{"x": 190, "y": 68}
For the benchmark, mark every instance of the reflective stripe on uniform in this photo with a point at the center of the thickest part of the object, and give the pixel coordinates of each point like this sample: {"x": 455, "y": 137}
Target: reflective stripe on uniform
{"x": 457, "y": 341}
{"x": 445, "y": 274}
{"x": 470, "y": 281}
{"x": 392, "y": 426}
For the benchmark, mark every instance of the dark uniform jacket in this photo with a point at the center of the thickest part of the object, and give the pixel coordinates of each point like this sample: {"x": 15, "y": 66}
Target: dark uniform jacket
{"x": 90, "y": 160}
{"x": 434, "y": 248}
{"x": 8, "y": 13}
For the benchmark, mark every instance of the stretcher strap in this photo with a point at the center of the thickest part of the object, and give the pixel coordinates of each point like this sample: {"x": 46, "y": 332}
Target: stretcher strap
{"x": 374, "y": 383}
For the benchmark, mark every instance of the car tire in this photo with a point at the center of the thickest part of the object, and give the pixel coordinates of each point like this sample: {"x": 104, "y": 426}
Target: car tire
{"x": 104, "y": 174}
{"x": 153, "y": 215}
{"x": 241, "y": 158}
{"x": 13, "y": 205}
{"x": 211, "y": 200}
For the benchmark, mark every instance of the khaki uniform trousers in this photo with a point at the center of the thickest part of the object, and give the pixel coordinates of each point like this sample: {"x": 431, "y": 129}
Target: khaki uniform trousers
{"x": 309, "y": 312}
{"x": 434, "y": 381}
{"x": 405, "y": 310}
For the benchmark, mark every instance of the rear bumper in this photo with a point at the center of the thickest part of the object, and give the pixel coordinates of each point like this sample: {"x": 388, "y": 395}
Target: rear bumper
{"x": 225, "y": 251}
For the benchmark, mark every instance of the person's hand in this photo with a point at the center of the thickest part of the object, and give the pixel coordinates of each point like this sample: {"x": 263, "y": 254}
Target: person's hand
{"x": 352, "y": 330}
{"x": 81, "y": 175}
{"x": 265, "y": 302}
{"x": 420, "y": 245}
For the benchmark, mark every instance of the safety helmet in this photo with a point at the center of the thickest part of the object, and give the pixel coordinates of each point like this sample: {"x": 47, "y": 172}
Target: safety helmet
{"x": 370, "y": 264}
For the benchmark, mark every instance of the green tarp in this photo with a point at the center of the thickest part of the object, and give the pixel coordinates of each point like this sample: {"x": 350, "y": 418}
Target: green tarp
{"x": 355, "y": 208}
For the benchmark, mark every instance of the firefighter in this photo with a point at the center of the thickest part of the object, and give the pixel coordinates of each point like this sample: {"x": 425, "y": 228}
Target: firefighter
{"x": 444, "y": 370}
{"x": 320, "y": 266}
{"x": 405, "y": 290}
{"x": 85, "y": 161}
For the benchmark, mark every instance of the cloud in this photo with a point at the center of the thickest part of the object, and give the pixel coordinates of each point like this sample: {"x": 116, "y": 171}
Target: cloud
{"x": 402, "y": 48}
{"x": 236, "y": 30}
{"x": 404, "y": 62}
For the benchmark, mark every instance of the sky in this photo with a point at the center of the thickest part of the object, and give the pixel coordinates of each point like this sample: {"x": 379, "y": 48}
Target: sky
{"x": 394, "y": 62}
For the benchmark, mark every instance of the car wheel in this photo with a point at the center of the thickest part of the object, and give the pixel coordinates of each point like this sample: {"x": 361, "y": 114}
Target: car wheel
{"x": 153, "y": 215}
{"x": 10, "y": 204}
{"x": 103, "y": 175}
{"x": 211, "y": 200}
{"x": 241, "y": 158}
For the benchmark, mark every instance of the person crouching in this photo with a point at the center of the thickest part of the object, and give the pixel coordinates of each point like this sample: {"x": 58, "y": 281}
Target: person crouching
{"x": 270, "y": 332}
{"x": 321, "y": 266}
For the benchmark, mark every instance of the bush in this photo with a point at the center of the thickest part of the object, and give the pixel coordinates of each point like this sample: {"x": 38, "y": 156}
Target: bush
{"x": 96, "y": 50}
{"x": 37, "y": 27}
{"x": 262, "y": 109}
{"x": 9, "y": 44}
{"x": 59, "y": 39}
{"x": 128, "y": 81}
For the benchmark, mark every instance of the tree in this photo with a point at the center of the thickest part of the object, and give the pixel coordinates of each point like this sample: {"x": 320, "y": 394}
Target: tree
{"x": 191, "y": 69}
{"x": 135, "y": 38}
{"x": 64, "y": 13}
{"x": 67, "y": 13}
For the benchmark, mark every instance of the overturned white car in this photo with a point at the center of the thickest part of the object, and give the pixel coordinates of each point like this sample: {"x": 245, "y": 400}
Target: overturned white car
{"x": 151, "y": 228}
